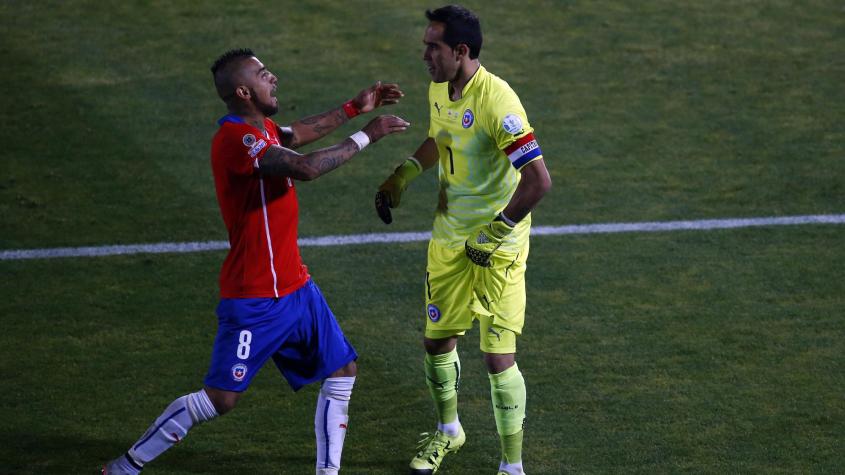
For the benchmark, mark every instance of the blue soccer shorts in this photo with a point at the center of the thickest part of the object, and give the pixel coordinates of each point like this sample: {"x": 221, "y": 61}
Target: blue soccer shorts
{"x": 298, "y": 331}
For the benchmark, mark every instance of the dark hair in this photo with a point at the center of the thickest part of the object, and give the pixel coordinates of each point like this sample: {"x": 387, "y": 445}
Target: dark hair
{"x": 462, "y": 26}
{"x": 230, "y": 56}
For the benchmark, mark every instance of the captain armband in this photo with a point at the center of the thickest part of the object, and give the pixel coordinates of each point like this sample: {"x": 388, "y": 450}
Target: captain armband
{"x": 523, "y": 151}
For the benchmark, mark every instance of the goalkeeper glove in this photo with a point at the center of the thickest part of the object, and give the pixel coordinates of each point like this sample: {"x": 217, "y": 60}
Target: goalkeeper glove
{"x": 481, "y": 244}
{"x": 390, "y": 192}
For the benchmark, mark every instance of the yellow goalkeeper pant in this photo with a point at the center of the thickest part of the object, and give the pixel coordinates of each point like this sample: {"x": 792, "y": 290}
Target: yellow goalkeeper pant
{"x": 458, "y": 292}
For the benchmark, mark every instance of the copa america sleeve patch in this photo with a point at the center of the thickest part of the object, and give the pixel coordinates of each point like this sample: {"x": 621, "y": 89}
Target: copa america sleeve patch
{"x": 523, "y": 151}
{"x": 257, "y": 148}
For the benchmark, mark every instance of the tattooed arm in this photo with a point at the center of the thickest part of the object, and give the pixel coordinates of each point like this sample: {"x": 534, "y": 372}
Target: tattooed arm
{"x": 315, "y": 127}
{"x": 309, "y": 129}
{"x": 281, "y": 161}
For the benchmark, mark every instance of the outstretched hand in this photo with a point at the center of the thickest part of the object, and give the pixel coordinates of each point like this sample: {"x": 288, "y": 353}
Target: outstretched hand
{"x": 385, "y": 125}
{"x": 377, "y": 95}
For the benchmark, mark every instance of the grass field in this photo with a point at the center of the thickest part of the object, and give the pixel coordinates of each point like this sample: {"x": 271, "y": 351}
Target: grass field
{"x": 679, "y": 352}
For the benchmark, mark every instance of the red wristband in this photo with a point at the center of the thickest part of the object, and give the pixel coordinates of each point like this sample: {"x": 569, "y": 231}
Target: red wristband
{"x": 350, "y": 109}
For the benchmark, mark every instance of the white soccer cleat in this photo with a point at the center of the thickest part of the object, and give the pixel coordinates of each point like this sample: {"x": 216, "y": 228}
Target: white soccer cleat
{"x": 115, "y": 468}
{"x": 513, "y": 469}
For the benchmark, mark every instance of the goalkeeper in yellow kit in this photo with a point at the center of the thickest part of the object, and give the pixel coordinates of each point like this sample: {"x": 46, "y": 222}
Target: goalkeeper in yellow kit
{"x": 491, "y": 175}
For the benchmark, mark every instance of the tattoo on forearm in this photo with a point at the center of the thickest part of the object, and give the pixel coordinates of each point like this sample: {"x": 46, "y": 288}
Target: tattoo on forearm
{"x": 283, "y": 162}
{"x": 312, "y": 120}
{"x": 336, "y": 117}
{"x": 317, "y": 126}
{"x": 330, "y": 158}
{"x": 320, "y": 129}
{"x": 328, "y": 164}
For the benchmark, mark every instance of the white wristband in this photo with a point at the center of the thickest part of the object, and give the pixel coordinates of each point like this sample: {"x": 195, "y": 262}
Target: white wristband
{"x": 507, "y": 220}
{"x": 361, "y": 139}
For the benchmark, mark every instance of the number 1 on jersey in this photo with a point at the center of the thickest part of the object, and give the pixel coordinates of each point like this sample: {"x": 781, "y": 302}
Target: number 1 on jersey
{"x": 451, "y": 162}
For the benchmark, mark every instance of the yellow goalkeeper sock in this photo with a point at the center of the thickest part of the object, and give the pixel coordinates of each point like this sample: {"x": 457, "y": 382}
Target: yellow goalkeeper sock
{"x": 443, "y": 374}
{"x": 507, "y": 391}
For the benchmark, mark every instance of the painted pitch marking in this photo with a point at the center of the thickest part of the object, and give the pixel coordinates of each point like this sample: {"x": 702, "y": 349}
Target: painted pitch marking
{"x": 379, "y": 238}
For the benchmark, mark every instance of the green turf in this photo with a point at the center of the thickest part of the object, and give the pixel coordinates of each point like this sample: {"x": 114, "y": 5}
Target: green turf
{"x": 685, "y": 352}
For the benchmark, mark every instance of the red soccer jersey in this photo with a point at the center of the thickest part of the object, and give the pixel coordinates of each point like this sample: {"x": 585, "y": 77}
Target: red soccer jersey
{"x": 261, "y": 214}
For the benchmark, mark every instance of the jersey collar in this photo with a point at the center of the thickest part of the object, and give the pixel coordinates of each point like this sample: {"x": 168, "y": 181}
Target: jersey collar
{"x": 473, "y": 81}
{"x": 230, "y": 118}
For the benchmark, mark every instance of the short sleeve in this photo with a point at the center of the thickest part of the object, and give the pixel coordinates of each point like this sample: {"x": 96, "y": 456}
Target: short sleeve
{"x": 238, "y": 149}
{"x": 512, "y": 131}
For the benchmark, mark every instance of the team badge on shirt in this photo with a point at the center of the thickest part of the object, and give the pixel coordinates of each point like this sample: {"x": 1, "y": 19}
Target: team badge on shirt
{"x": 512, "y": 124}
{"x": 248, "y": 140}
{"x": 239, "y": 372}
{"x": 433, "y": 313}
{"x": 468, "y": 119}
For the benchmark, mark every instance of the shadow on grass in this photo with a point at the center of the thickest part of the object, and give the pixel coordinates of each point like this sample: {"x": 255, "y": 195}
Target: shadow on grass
{"x": 376, "y": 467}
{"x": 23, "y": 453}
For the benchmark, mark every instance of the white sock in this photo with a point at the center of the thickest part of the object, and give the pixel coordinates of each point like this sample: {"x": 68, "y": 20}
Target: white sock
{"x": 450, "y": 428}
{"x": 330, "y": 420}
{"x": 511, "y": 468}
{"x": 172, "y": 426}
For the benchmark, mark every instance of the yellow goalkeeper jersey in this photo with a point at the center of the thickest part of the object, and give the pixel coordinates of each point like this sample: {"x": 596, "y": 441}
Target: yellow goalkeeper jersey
{"x": 483, "y": 139}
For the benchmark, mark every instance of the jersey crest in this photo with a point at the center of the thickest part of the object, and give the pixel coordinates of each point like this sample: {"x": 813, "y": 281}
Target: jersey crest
{"x": 468, "y": 119}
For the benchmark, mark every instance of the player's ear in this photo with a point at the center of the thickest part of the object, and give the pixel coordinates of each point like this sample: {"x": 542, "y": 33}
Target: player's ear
{"x": 461, "y": 50}
{"x": 243, "y": 92}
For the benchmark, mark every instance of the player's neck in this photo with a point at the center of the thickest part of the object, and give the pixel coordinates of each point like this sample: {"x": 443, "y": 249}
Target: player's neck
{"x": 255, "y": 121}
{"x": 251, "y": 117}
{"x": 465, "y": 73}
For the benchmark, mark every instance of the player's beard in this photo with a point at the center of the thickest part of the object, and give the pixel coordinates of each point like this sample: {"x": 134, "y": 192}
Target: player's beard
{"x": 268, "y": 110}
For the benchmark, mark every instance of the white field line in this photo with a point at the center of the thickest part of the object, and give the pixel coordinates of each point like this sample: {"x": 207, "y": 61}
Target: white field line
{"x": 374, "y": 238}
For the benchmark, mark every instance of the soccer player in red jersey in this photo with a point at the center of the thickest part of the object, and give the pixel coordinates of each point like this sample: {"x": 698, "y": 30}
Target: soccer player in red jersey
{"x": 269, "y": 306}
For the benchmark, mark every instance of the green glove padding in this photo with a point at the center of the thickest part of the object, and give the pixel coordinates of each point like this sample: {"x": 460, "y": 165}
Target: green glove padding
{"x": 482, "y": 243}
{"x": 390, "y": 192}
